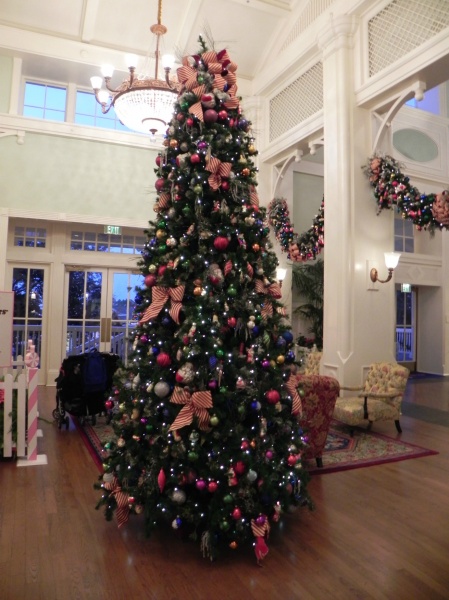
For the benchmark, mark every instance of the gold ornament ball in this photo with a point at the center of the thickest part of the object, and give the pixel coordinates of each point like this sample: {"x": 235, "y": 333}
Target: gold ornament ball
{"x": 246, "y": 172}
{"x": 256, "y": 247}
{"x": 160, "y": 234}
{"x": 251, "y": 149}
{"x": 280, "y": 359}
{"x": 197, "y": 291}
{"x": 173, "y": 143}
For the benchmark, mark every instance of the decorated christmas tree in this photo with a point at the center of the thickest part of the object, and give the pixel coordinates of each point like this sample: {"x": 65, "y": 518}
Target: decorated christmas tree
{"x": 207, "y": 433}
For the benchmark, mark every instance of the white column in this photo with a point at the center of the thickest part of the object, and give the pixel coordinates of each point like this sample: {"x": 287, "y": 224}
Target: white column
{"x": 4, "y": 221}
{"x": 358, "y": 324}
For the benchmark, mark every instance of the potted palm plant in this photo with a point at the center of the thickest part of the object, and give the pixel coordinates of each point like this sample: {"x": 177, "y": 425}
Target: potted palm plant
{"x": 308, "y": 282}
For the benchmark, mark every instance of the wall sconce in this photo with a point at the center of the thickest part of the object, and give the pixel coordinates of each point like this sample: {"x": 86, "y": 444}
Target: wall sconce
{"x": 280, "y": 274}
{"x": 391, "y": 262}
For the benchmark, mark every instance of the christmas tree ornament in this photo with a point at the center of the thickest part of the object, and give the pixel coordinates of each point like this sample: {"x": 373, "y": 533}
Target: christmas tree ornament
{"x": 163, "y": 359}
{"x": 162, "y": 389}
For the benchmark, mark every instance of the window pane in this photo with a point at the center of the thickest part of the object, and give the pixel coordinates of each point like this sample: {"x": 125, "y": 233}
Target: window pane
{"x": 55, "y": 98}
{"x": 409, "y": 245}
{"x": 84, "y": 120}
{"x": 31, "y": 111}
{"x": 76, "y": 295}
{"x": 19, "y": 287}
{"x": 54, "y": 115}
{"x": 85, "y": 103}
{"x": 398, "y": 227}
{"x": 34, "y": 94}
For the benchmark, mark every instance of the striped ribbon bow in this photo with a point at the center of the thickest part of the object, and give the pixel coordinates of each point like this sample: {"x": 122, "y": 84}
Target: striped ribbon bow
{"x": 273, "y": 290}
{"x": 160, "y": 296}
{"x": 196, "y": 405}
{"x": 122, "y": 500}
{"x": 260, "y": 532}
{"x": 253, "y": 197}
{"x": 296, "y": 399}
{"x": 223, "y": 70}
{"x": 217, "y": 170}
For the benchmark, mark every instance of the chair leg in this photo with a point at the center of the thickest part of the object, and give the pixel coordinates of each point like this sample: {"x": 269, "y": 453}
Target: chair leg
{"x": 319, "y": 462}
{"x": 398, "y": 426}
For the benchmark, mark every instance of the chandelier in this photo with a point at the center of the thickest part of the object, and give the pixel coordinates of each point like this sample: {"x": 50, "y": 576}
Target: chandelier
{"x": 142, "y": 103}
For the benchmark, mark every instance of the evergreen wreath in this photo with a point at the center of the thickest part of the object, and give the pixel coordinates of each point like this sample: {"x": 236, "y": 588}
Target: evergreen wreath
{"x": 393, "y": 188}
{"x": 301, "y": 247}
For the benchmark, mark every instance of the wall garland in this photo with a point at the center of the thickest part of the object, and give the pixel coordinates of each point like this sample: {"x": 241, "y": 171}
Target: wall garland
{"x": 429, "y": 212}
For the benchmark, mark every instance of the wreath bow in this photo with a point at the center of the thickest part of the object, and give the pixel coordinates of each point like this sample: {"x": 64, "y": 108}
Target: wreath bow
{"x": 160, "y": 296}
{"x": 196, "y": 405}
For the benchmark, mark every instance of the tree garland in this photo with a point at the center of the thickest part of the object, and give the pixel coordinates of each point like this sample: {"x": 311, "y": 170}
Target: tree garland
{"x": 391, "y": 189}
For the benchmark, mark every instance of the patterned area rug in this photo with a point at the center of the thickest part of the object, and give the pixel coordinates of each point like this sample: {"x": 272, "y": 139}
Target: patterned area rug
{"x": 364, "y": 449}
{"x": 342, "y": 451}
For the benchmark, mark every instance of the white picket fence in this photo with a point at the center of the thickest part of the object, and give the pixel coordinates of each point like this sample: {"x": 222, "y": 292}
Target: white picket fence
{"x": 22, "y": 440}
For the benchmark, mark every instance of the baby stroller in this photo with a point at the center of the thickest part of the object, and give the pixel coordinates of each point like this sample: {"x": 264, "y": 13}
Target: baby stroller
{"x": 83, "y": 382}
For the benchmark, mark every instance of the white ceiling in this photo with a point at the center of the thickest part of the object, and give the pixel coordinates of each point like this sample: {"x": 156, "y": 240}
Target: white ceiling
{"x": 60, "y": 39}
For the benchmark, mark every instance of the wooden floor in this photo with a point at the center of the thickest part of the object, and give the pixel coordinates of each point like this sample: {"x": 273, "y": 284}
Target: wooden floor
{"x": 377, "y": 533}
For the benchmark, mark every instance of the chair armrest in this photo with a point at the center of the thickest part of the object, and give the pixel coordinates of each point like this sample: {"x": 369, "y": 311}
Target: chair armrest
{"x": 351, "y": 388}
{"x": 389, "y": 394}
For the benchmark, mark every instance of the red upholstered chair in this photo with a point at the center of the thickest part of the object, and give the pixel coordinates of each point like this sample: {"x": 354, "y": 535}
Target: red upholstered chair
{"x": 318, "y": 395}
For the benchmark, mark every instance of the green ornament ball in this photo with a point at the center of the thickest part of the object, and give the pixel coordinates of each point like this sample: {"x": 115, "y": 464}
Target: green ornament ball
{"x": 232, "y": 291}
{"x": 228, "y": 499}
{"x": 193, "y": 456}
{"x": 220, "y": 353}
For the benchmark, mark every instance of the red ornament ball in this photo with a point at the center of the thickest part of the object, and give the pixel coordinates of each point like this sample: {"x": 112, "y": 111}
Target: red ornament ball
{"x": 272, "y": 396}
{"x": 109, "y": 404}
{"x": 163, "y": 359}
{"x": 292, "y": 460}
{"x": 232, "y": 321}
{"x": 225, "y": 185}
{"x": 195, "y": 159}
{"x": 240, "y": 467}
{"x": 150, "y": 280}
{"x": 236, "y": 513}
{"x": 212, "y": 486}
{"x": 223, "y": 114}
{"x": 159, "y": 184}
{"x": 221, "y": 243}
{"x": 210, "y": 116}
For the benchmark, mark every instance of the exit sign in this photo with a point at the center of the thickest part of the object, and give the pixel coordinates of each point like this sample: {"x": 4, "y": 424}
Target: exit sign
{"x": 113, "y": 229}
{"x": 406, "y": 288}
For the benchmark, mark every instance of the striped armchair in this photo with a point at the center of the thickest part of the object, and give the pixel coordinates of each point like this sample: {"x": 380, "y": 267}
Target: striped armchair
{"x": 378, "y": 400}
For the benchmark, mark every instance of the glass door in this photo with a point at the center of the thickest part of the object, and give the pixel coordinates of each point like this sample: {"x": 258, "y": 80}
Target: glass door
{"x": 121, "y": 308}
{"x": 406, "y": 328}
{"x": 29, "y": 287}
{"x": 100, "y": 308}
